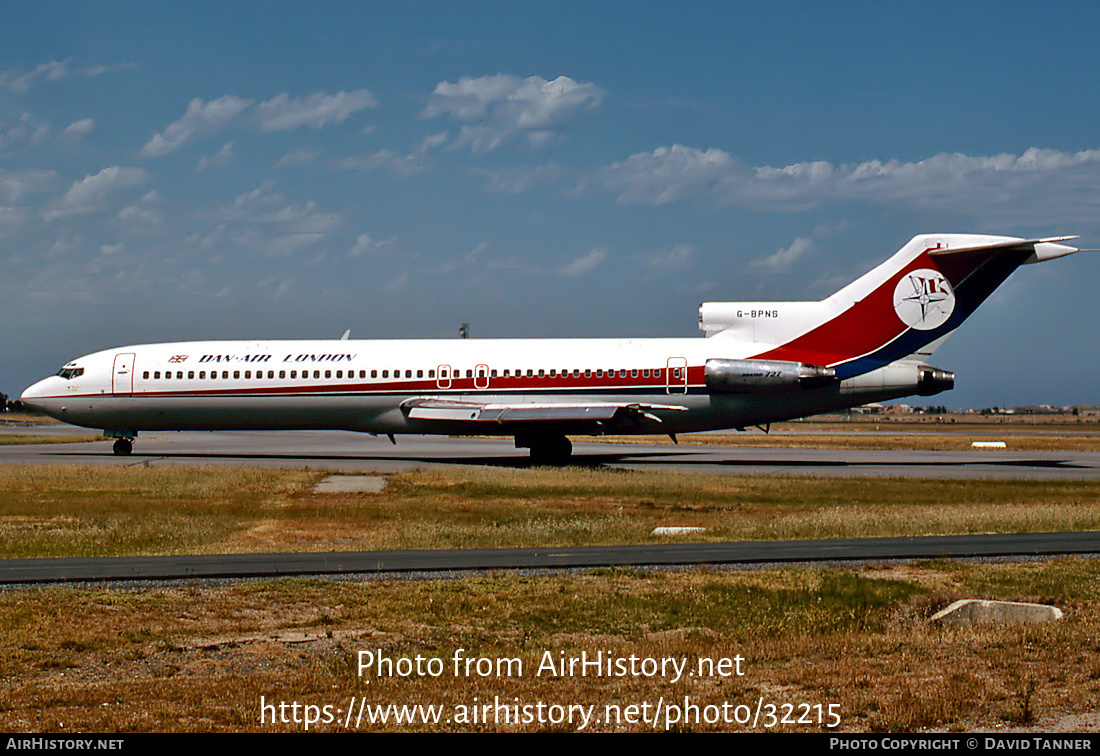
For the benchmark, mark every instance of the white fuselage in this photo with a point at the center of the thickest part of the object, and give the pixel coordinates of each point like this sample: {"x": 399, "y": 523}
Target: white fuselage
{"x": 361, "y": 385}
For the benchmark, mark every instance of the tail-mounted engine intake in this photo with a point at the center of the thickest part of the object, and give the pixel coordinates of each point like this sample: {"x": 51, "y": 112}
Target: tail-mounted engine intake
{"x": 765, "y": 376}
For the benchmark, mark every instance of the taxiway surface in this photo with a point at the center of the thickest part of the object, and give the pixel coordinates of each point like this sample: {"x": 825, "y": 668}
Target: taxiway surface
{"x": 434, "y": 561}
{"x": 354, "y": 452}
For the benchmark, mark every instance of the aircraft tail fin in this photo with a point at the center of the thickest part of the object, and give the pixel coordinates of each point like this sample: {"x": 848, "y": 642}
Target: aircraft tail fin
{"x": 901, "y": 310}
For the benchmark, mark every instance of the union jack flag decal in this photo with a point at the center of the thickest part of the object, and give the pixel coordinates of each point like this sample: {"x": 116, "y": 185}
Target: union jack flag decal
{"x": 178, "y": 358}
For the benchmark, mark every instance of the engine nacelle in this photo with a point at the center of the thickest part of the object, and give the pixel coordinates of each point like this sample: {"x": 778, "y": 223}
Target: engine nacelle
{"x": 764, "y": 376}
{"x": 899, "y": 379}
{"x": 933, "y": 380}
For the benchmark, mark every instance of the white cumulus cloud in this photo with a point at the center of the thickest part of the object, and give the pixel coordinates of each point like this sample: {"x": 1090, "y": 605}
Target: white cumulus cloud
{"x": 201, "y": 118}
{"x": 948, "y": 181}
{"x": 585, "y": 264}
{"x": 495, "y": 108}
{"x": 93, "y": 193}
{"x": 15, "y": 185}
{"x": 676, "y": 256}
{"x": 283, "y": 113}
{"x": 667, "y": 174}
{"x": 298, "y": 157}
{"x": 79, "y": 129}
{"x": 782, "y": 259}
{"x": 263, "y": 219}
{"x": 143, "y": 211}
{"x": 402, "y": 165}
{"x": 218, "y": 160}
{"x": 20, "y": 82}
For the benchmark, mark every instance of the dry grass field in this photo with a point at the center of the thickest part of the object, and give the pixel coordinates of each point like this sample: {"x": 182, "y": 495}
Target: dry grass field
{"x": 924, "y": 433}
{"x": 199, "y": 656}
{"x": 9, "y": 439}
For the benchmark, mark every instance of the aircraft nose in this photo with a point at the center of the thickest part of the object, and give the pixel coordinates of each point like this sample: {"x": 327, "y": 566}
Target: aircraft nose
{"x": 35, "y": 392}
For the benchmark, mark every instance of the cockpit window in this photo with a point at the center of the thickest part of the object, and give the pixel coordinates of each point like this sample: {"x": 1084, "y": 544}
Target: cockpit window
{"x": 70, "y": 373}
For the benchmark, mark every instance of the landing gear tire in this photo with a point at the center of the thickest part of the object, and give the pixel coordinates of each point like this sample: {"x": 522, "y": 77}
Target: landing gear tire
{"x": 551, "y": 450}
{"x": 123, "y": 447}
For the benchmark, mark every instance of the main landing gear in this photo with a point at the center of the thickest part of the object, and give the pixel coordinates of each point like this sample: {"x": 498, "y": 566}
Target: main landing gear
{"x": 552, "y": 449}
{"x": 124, "y": 443}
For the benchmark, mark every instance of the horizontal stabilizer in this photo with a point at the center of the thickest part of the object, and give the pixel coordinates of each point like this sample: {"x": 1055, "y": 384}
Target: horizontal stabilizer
{"x": 1043, "y": 249}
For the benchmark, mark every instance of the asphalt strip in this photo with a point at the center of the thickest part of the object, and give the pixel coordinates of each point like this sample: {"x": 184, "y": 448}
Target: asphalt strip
{"x": 72, "y": 569}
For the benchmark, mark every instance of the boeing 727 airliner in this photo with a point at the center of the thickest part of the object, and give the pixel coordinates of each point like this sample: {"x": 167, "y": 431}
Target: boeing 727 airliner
{"x": 761, "y": 362}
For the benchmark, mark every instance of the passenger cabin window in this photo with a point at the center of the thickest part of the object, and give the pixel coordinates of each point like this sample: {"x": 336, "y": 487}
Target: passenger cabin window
{"x": 145, "y": 374}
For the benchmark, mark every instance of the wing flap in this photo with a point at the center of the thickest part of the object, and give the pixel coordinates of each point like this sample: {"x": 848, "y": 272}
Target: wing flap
{"x": 564, "y": 412}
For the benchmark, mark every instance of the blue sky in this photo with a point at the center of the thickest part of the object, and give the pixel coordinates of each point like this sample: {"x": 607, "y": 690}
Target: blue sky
{"x": 292, "y": 170}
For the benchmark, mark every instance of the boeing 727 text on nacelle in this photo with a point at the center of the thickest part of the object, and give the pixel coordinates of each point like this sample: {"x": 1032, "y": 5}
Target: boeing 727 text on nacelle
{"x": 761, "y": 362}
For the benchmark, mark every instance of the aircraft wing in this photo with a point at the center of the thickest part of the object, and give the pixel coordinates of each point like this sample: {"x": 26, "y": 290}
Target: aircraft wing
{"x": 502, "y": 413}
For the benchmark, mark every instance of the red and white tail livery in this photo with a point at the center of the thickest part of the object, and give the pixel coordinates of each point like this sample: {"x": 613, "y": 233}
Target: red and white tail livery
{"x": 761, "y": 362}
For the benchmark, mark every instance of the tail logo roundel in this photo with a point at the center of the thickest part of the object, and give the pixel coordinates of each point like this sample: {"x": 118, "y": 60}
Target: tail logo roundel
{"x": 923, "y": 299}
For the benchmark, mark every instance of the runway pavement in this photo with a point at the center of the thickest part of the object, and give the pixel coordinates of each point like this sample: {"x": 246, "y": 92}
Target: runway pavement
{"x": 354, "y": 452}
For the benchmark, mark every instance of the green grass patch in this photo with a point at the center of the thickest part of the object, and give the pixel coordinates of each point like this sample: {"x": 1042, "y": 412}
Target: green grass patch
{"x": 87, "y": 511}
